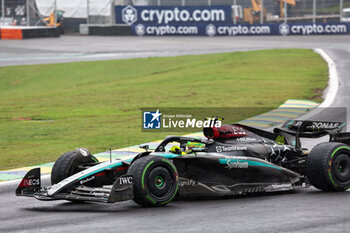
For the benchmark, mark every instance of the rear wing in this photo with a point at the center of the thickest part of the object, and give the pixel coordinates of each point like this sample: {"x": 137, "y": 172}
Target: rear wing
{"x": 294, "y": 129}
{"x": 313, "y": 126}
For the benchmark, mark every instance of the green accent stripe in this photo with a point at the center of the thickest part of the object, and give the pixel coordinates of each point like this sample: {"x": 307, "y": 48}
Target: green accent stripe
{"x": 177, "y": 186}
{"x": 166, "y": 202}
{"x": 330, "y": 177}
{"x": 101, "y": 169}
{"x": 170, "y": 163}
{"x": 143, "y": 174}
{"x": 342, "y": 147}
{"x": 151, "y": 199}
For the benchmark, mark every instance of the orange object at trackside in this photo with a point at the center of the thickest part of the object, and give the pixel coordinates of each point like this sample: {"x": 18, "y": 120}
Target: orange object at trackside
{"x": 11, "y": 34}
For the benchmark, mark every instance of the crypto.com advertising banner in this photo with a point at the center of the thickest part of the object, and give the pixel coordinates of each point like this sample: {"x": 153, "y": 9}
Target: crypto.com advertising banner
{"x": 181, "y": 15}
{"x": 212, "y": 29}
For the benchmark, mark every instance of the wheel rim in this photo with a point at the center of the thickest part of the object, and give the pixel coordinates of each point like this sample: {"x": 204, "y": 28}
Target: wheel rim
{"x": 341, "y": 168}
{"x": 160, "y": 182}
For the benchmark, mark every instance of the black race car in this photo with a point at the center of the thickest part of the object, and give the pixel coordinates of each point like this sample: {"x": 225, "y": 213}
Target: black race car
{"x": 230, "y": 160}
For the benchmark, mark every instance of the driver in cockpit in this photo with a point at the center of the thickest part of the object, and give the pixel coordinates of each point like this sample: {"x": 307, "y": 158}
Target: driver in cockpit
{"x": 188, "y": 149}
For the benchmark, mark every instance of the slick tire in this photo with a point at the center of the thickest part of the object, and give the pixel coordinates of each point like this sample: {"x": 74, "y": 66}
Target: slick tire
{"x": 155, "y": 181}
{"x": 328, "y": 166}
{"x": 68, "y": 164}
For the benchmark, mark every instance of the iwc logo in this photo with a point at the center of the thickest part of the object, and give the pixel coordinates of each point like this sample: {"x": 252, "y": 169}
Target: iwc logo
{"x": 284, "y": 29}
{"x": 129, "y": 15}
{"x": 210, "y": 30}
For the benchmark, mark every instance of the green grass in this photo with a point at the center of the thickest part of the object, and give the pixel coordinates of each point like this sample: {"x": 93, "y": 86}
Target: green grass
{"x": 96, "y": 104}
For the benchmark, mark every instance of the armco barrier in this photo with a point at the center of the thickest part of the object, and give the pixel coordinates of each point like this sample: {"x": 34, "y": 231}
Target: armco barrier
{"x": 240, "y": 30}
{"x": 18, "y": 33}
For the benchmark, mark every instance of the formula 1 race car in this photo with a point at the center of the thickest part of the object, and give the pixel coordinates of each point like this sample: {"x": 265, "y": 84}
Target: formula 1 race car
{"x": 230, "y": 160}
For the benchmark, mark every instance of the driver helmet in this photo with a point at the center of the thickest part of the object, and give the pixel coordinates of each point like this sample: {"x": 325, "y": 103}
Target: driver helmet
{"x": 175, "y": 150}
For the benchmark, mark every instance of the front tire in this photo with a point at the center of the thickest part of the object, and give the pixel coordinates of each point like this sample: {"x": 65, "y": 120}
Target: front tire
{"x": 155, "y": 180}
{"x": 328, "y": 166}
{"x": 69, "y": 163}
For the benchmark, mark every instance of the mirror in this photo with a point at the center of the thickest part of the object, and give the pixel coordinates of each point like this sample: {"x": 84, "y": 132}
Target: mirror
{"x": 144, "y": 146}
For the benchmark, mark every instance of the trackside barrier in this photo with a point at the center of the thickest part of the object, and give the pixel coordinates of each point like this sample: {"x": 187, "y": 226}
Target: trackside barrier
{"x": 212, "y": 29}
{"x": 210, "y": 21}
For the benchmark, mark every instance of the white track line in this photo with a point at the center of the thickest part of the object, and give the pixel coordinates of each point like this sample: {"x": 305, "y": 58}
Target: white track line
{"x": 333, "y": 82}
{"x": 332, "y": 89}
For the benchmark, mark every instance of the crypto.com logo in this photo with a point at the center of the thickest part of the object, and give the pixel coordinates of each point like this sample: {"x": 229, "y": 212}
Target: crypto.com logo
{"x": 140, "y": 30}
{"x": 284, "y": 29}
{"x": 129, "y": 15}
{"x": 210, "y": 30}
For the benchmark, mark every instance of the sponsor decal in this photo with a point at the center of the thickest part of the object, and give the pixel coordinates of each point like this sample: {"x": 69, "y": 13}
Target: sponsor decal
{"x": 235, "y": 157}
{"x": 156, "y": 15}
{"x": 226, "y": 29}
{"x": 163, "y": 30}
{"x": 234, "y": 163}
{"x": 125, "y": 180}
{"x": 320, "y": 125}
{"x": 326, "y": 125}
{"x": 187, "y": 182}
{"x": 237, "y": 30}
{"x": 29, "y": 182}
{"x": 278, "y": 187}
{"x": 246, "y": 139}
{"x": 314, "y": 29}
{"x": 281, "y": 186}
{"x": 87, "y": 180}
{"x": 239, "y": 131}
{"x": 230, "y": 148}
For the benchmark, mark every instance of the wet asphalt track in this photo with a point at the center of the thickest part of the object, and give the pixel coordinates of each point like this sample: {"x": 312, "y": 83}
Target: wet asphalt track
{"x": 305, "y": 210}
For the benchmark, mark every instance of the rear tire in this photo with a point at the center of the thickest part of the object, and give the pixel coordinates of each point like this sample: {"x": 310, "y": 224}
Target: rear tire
{"x": 68, "y": 164}
{"x": 328, "y": 166}
{"x": 155, "y": 180}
